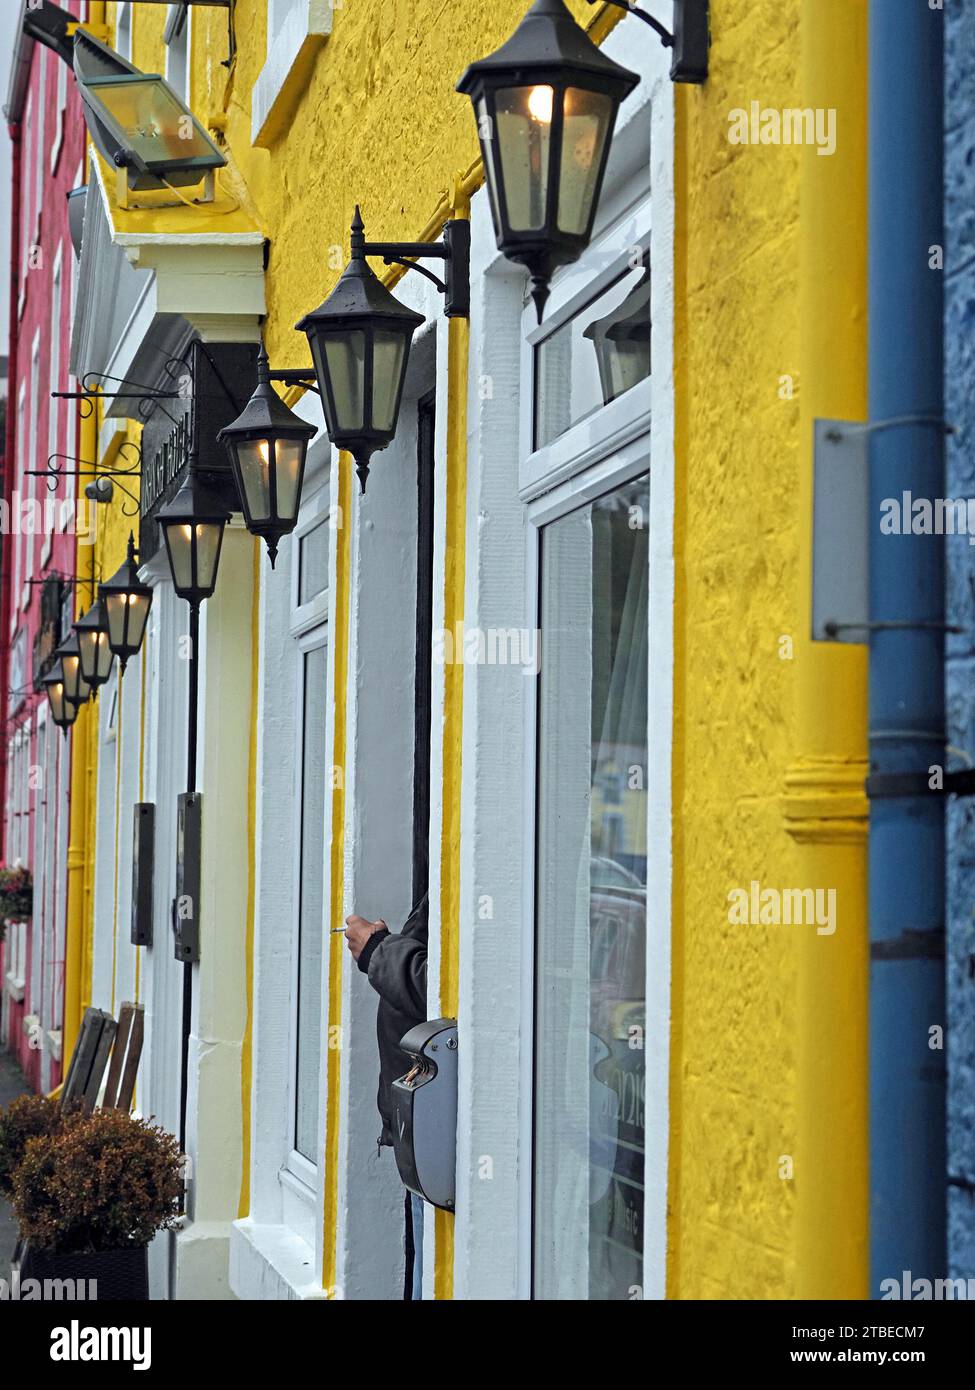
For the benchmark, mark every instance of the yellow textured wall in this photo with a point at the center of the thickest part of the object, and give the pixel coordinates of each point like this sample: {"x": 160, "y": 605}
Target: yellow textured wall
{"x": 740, "y": 1062}
{"x": 379, "y": 123}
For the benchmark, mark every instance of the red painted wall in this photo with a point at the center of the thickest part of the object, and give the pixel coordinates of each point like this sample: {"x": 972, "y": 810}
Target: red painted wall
{"x": 52, "y": 138}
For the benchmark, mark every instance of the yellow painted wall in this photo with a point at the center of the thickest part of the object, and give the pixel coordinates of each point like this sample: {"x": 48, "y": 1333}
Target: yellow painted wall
{"x": 761, "y": 1014}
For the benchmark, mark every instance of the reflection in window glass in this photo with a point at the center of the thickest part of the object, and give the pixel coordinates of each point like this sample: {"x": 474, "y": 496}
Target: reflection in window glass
{"x": 591, "y": 901}
{"x": 313, "y": 563}
{"x": 311, "y": 906}
{"x": 602, "y": 352}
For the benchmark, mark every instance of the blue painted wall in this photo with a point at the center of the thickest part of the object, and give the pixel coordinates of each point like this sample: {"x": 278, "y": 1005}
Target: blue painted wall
{"x": 960, "y": 674}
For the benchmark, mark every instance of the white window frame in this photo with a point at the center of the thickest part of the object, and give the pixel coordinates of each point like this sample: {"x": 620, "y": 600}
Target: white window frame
{"x": 18, "y": 538}
{"x": 54, "y": 380}
{"x": 177, "y": 37}
{"x": 308, "y": 626}
{"x": 40, "y": 148}
{"x": 614, "y": 445}
{"x": 32, "y": 433}
{"x": 308, "y": 640}
{"x": 123, "y": 29}
{"x": 26, "y": 211}
{"x": 614, "y": 425}
{"x": 62, "y": 105}
{"x": 304, "y": 27}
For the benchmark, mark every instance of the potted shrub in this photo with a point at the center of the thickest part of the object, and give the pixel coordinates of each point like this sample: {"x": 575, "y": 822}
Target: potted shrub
{"x": 27, "y": 1117}
{"x": 16, "y": 895}
{"x": 89, "y": 1198}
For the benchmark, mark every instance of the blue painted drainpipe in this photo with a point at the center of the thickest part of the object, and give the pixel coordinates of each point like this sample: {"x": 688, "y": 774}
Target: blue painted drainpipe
{"x": 907, "y": 612}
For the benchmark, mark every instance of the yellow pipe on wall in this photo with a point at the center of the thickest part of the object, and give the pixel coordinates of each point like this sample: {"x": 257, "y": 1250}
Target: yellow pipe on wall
{"x": 333, "y": 982}
{"x": 825, "y": 803}
{"x": 458, "y": 346}
{"x": 78, "y": 822}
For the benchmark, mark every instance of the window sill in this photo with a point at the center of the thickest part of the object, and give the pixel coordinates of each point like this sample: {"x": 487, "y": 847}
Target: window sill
{"x": 15, "y": 985}
{"x": 271, "y": 1262}
{"x": 284, "y": 76}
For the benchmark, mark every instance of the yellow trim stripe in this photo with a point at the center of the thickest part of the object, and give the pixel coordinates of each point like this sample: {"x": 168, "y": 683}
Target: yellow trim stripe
{"x": 681, "y": 446}
{"x": 336, "y": 951}
{"x": 118, "y": 787}
{"x": 458, "y": 348}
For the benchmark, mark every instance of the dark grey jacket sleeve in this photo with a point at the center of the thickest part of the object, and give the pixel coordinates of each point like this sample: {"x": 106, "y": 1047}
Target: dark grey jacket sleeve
{"x": 397, "y": 970}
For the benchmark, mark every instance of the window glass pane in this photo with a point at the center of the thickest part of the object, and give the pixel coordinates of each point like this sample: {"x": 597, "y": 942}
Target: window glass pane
{"x": 313, "y": 563}
{"x": 311, "y": 906}
{"x": 523, "y": 127}
{"x": 591, "y": 901}
{"x": 597, "y": 356}
{"x": 586, "y": 117}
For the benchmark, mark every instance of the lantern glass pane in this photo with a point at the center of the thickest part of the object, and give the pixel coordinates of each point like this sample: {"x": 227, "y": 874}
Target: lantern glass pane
{"x": 75, "y": 686}
{"x": 290, "y": 459}
{"x": 138, "y": 616}
{"x": 586, "y": 118}
{"x": 88, "y": 647}
{"x": 55, "y": 694}
{"x": 105, "y": 656}
{"x": 345, "y": 357}
{"x": 179, "y": 543}
{"x": 489, "y": 150}
{"x": 96, "y": 655}
{"x": 208, "y": 538}
{"x": 389, "y": 353}
{"x": 253, "y": 460}
{"x": 523, "y": 118}
{"x": 117, "y": 610}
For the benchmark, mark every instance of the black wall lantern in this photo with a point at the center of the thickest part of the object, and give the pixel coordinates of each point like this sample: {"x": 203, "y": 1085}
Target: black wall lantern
{"x": 63, "y": 711}
{"x": 126, "y": 602}
{"x": 76, "y": 688}
{"x": 267, "y": 445}
{"x": 545, "y": 105}
{"x": 360, "y": 337}
{"x": 96, "y": 654}
{"x": 193, "y": 525}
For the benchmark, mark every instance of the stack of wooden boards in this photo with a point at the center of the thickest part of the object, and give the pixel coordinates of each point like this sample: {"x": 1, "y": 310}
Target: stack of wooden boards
{"x": 104, "y": 1043}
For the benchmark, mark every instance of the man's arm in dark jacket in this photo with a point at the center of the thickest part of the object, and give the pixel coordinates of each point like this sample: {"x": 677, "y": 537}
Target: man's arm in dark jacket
{"x": 396, "y": 964}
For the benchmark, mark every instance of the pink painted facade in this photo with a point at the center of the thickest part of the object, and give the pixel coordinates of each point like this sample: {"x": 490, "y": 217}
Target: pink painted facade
{"x": 39, "y": 543}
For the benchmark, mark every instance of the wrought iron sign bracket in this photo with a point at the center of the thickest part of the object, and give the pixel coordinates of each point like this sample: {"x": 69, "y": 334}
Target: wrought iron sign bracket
{"x": 454, "y": 251}
{"x": 297, "y": 376}
{"x": 690, "y": 40}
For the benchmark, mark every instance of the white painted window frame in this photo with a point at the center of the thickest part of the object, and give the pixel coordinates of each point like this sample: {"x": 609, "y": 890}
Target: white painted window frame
{"x": 301, "y": 1180}
{"x": 62, "y": 103}
{"x": 54, "y": 382}
{"x": 306, "y": 639}
{"x": 18, "y": 539}
{"x": 178, "y": 36}
{"x": 614, "y": 425}
{"x": 306, "y": 25}
{"x": 33, "y": 488}
{"x": 123, "y": 29}
{"x": 40, "y": 148}
{"x": 615, "y": 444}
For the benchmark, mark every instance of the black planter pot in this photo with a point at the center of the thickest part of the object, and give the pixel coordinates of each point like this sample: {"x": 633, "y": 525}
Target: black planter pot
{"x": 119, "y": 1276}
